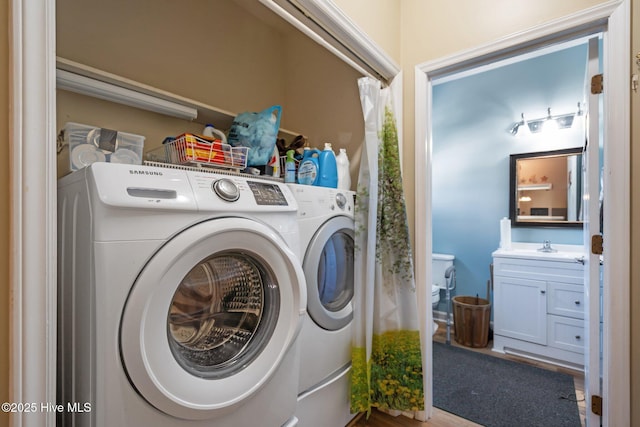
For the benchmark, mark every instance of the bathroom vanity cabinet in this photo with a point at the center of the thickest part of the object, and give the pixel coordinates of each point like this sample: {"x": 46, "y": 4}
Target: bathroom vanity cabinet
{"x": 539, "y": 305}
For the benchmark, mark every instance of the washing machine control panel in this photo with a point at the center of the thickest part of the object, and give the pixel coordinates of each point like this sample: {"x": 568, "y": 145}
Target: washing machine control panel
{"x": 216, "y": 192}
{"x": 267, "y": 194}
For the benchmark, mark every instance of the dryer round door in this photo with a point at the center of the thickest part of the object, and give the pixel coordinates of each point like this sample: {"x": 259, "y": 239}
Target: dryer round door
{"x": 328, "y": 268}
{"x": 211, "y": 316}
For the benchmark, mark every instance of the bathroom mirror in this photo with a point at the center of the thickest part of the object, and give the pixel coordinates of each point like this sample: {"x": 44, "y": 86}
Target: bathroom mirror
{"x": 545, "y": 189}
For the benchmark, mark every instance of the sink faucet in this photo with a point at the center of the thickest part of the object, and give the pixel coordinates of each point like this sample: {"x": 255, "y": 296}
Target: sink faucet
{"x": 546, "y": 247}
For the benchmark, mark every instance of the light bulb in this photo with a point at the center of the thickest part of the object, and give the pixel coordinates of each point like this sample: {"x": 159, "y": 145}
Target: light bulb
{"x": 550, "y": 124}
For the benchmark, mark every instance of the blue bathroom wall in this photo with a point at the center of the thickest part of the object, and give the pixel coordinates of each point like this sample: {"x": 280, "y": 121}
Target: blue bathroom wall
{"x": 471, "y": 146}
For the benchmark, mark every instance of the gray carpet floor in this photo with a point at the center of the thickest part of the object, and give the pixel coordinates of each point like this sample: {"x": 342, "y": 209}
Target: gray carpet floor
{"x": 496, "y": 392}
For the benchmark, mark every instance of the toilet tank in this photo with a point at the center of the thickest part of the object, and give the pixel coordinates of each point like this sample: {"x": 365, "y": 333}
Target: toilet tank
{"x": 439, "y": 264}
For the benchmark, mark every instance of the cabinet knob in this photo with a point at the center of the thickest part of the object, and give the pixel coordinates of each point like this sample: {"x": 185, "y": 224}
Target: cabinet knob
{"x": 578, "y": 337}
{"x": 543, "y": 292}
{"x": 577, "y": 302}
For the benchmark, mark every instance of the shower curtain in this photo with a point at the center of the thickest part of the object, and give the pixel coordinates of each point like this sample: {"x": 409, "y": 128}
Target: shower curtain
{"x": 386, "y": 352}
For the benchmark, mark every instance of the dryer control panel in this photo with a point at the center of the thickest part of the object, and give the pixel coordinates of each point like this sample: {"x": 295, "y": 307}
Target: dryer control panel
{"x": 320, "y": 201}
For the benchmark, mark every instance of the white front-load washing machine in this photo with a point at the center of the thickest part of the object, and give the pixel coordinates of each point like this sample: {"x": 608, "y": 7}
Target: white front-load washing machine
{"x": 181, "y": 297}
{"x": 326, "y": 220}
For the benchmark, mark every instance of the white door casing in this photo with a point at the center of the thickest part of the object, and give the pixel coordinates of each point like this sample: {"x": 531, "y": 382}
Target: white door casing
{"x": 33, "y": 209}
{"x": 613, "y": 17}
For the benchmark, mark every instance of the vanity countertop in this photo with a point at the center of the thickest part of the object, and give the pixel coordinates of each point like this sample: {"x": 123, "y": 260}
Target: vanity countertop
{"x": 564, "y": 253}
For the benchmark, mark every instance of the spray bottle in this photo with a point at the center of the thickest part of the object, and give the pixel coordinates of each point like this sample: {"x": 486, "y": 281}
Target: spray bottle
{"x": 290, "y": 167}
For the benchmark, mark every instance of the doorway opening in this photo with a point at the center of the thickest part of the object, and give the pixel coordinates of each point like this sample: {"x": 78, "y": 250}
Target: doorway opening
{"x": 615, "y": 127}
{"x": 473, "y": 139}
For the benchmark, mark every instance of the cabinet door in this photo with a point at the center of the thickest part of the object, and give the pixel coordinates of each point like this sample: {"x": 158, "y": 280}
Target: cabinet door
{"x": 520, "y": 309}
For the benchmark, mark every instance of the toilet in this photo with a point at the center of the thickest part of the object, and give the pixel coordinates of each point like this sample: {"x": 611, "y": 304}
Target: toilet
{"x": 439, "y": 264}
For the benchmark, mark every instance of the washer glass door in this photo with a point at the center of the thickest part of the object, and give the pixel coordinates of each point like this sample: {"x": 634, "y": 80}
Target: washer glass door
{"x": 222, "y": 314}
{"x": 328, "y": 267}
{"x": 211, "y": 316}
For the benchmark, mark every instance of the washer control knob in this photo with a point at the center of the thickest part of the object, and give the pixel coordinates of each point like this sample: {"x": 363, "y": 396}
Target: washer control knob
{"x": 341, "y": 200}
{"x": 226, "y": 189}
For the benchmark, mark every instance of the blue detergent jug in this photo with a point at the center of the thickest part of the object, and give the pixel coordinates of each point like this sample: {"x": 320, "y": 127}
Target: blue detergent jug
{"x": 328, "y": 168}
{"x": 308, "y": 171}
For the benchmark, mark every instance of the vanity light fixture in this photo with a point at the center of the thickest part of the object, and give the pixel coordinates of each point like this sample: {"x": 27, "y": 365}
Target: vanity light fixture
{"x": 563, "y": 121}
{"x": 98, "y": 89}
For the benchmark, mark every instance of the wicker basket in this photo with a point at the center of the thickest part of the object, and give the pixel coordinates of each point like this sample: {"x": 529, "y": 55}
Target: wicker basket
{"x": 471, "y": 316}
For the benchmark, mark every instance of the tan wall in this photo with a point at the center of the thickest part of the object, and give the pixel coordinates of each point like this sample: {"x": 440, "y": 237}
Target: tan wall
{"x": 312, "y": 75}
{"x": 380, "y": 19}
{"x": 212, "y": 52}
{"x": 230, "y": 56}
{"x": 194, "y": 60}
{"x": 4, "y": 210}
{"x": 424, "y": 36}
{"x": 427, "y": 36}
{"x": 635, "y": 225}
{"x": 477, "y": 23}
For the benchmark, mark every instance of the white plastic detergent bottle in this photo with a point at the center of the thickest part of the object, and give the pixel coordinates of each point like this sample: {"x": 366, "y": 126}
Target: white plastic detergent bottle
{"x": 308, "y": 171}
{"x": 344, "y": 175}
{"x": 212, "y": 132}
{"x": 328, "y": 168}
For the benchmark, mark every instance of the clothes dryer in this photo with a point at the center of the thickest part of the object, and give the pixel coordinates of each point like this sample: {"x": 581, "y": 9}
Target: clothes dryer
{"x": 181, "y": 298}
{"x": 326, "y": 220}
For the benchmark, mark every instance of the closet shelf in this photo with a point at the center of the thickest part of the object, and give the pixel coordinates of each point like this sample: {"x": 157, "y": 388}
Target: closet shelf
{"x": 222, "y": 119}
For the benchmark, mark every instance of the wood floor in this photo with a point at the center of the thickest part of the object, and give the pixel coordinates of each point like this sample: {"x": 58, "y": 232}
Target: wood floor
{"x": 444, "y": 419}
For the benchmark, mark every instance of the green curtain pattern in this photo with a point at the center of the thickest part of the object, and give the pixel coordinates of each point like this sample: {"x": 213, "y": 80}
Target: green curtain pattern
{"x": 391, "y": 378}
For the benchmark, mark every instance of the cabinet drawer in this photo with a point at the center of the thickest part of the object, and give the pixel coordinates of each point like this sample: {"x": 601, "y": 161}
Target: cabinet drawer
{"x": 568, "y": 272}
{"x": 565, "y": 300}
{"x": 565, "y": 333}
